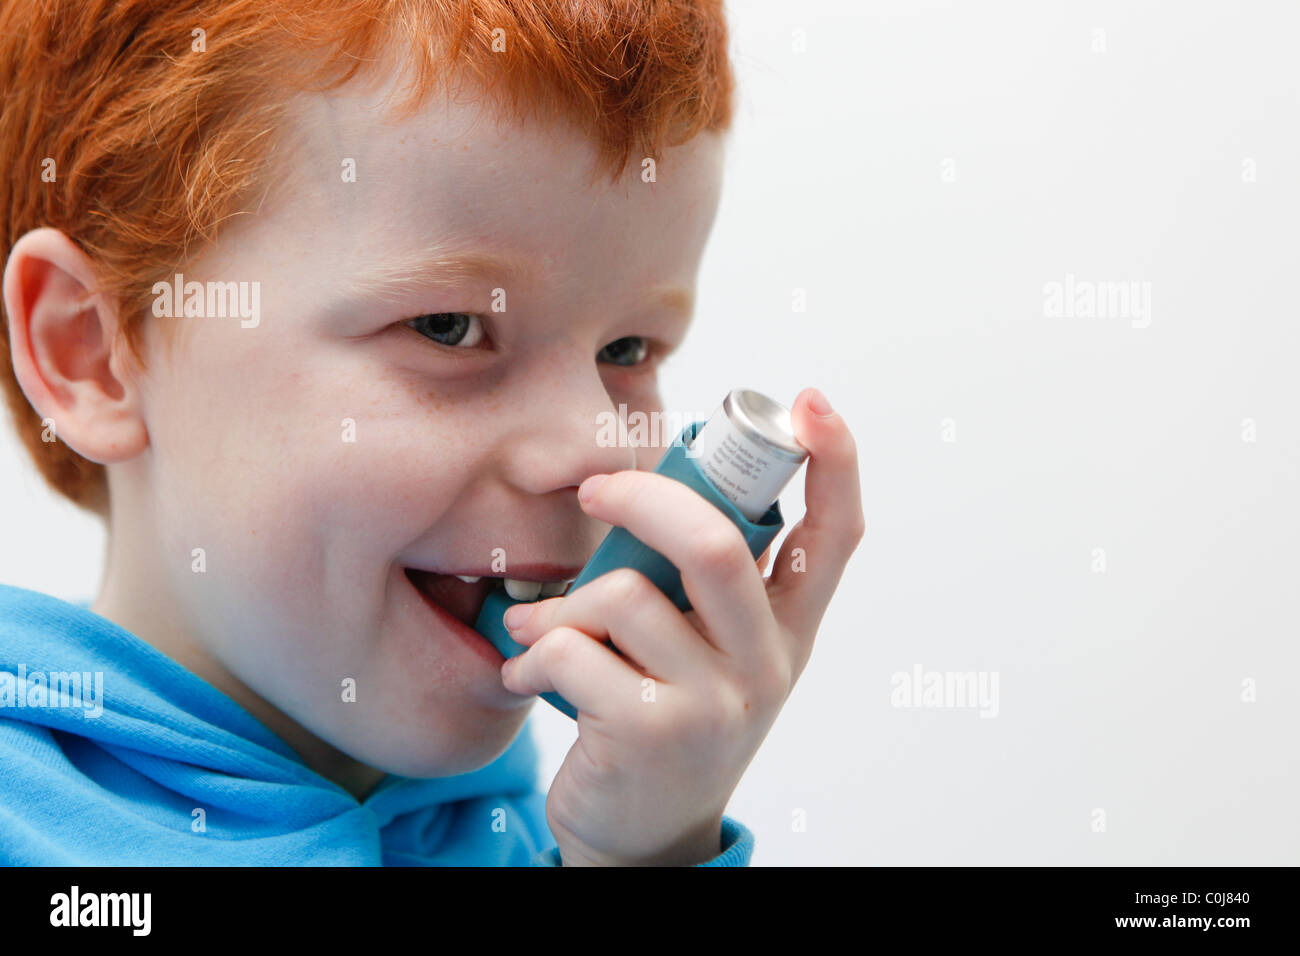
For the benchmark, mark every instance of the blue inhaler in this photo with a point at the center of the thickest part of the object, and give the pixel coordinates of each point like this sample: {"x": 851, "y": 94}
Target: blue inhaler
{"x": 739, "y": 461}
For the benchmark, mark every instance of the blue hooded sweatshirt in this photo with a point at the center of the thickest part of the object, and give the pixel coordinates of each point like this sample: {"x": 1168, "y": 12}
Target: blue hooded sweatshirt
{"x": 112, "y": 753}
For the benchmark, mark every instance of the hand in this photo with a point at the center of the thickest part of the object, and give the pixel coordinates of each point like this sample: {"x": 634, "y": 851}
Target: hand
{"x": 666, "y": 730}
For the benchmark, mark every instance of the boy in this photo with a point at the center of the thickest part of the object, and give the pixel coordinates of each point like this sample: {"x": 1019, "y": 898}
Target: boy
{"x": 441, "y": 239}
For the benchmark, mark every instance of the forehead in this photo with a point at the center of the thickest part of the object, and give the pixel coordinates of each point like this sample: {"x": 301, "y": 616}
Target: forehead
{"x": 367, "y": 185}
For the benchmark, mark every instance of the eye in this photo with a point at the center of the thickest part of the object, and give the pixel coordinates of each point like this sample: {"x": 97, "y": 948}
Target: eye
{"x": 453, "y": 329}
{"x": 629, "y": 350}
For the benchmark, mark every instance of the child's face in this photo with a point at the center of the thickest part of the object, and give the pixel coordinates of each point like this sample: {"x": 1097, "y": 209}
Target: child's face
{"x": 458, "y": 449}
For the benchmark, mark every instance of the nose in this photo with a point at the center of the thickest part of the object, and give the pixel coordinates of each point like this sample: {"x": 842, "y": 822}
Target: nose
{"x": 567, "y": 434}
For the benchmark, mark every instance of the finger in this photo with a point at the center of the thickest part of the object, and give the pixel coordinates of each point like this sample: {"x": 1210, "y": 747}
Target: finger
{"x": 831, "y": 528}
{"x": 762, "y": 559}
{"x": 623, "y": 606}
{"x": 582, "y": 670}
{"x": 718, "y": 572}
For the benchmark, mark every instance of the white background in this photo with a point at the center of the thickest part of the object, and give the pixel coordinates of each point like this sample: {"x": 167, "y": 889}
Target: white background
{"x": 1119, "y": 691}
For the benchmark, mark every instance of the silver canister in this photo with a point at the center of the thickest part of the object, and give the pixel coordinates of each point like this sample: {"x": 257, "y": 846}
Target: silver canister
{"x": 748, "y": 450}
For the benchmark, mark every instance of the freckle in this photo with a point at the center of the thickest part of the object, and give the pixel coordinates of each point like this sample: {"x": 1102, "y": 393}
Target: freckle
{"x": 747, "y": 705}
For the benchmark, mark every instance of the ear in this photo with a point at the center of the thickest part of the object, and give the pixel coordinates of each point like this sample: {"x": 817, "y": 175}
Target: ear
{"x": 63, "y": 339}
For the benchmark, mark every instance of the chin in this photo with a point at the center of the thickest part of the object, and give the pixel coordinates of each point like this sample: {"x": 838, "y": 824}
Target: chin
{"x": 444, "y": 749}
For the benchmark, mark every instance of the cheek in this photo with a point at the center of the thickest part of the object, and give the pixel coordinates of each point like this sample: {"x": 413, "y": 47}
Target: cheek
{"x": 236, "y": 468}
{"x": 334, "y": 456}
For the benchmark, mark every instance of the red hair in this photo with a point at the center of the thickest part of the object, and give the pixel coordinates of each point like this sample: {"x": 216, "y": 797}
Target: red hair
{"x": 157, "y": 142}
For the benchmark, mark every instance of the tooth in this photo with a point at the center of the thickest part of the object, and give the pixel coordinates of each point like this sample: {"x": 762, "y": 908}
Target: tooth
{"x": 523, "y": 590}
{"x": 554, "y": 588}
{"x": 468, "y": 578}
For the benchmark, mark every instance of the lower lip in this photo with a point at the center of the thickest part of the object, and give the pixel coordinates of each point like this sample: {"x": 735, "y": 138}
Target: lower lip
{"x": 471, "y": 638}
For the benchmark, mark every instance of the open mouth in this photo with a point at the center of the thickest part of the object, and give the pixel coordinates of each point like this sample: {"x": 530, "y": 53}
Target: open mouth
{"x": 463, "y": 599}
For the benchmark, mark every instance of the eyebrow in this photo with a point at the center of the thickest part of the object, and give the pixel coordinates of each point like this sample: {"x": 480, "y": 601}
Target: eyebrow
{"x": 440, "y": 263}
{"x": 458, "y": 264}
{"x": 672, "y": 298}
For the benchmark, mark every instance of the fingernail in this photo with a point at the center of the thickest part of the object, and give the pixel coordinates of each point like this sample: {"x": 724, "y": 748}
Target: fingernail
{"x": 517, "y": 615}
{"x": 588, "y": 487}
{"x": 820, "y": 407}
